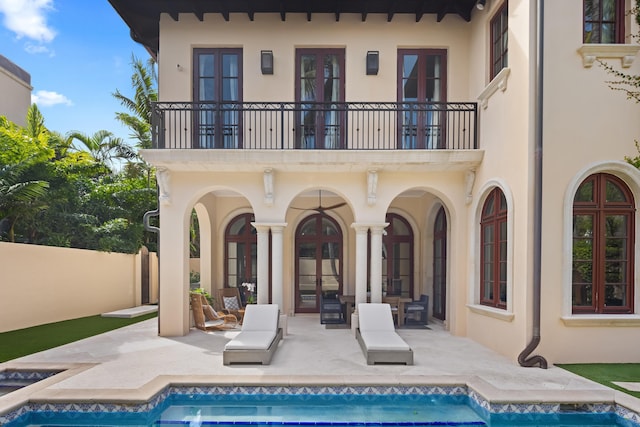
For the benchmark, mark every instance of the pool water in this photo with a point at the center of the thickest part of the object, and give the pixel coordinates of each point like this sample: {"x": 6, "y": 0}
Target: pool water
{"x": 231, "y": 410}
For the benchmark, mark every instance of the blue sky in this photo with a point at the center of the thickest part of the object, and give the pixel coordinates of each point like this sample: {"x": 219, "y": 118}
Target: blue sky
{"x": 78, "y": 53}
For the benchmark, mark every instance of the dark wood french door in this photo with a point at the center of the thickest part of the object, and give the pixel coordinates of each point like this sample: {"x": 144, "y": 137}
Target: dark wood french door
{"x": 318, "y": 261}
{"x": 440, "y": 266}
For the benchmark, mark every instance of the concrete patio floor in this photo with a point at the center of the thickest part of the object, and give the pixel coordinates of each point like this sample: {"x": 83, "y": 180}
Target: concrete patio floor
{"x": 134, "y": 363}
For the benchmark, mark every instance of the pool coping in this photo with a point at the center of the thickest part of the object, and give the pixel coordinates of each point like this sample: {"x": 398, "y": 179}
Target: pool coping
{"x": 45, "y": 391}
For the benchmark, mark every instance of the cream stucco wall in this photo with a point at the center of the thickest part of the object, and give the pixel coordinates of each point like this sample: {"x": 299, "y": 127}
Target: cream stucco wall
{"x": 588, "y": 129}
{"x": 42, "y": 284}
{"x": 15, "y": 87}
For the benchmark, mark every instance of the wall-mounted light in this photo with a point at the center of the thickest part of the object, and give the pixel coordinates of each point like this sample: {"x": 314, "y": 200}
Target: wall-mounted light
{"x": 480, "y": 4}
{"x": 266, "y": 61}
{"x": 373, "y": 62}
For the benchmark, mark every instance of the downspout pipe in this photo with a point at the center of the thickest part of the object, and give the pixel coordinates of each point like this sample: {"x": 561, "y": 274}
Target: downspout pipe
{"x": 152, "y": 229}
{"x": 524, "y": 358}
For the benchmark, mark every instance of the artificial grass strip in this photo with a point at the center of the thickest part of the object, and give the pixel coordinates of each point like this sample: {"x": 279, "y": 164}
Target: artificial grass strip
{"x": 22, "y": 342}
{"x": 605, "y": 373}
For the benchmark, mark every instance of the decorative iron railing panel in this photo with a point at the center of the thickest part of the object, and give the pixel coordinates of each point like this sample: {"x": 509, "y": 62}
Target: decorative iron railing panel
{"x": 320, "y": 126}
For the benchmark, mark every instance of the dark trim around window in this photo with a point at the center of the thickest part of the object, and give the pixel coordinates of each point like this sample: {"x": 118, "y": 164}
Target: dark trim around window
{"x": 598, "y": 24}
{"x": 499, "y": 30}
{"x": 493, "y": 251}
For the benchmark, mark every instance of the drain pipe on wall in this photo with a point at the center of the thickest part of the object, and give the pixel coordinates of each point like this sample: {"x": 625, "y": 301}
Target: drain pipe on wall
{"x": 523, "y": 357}
{"x": 152, "y": 229}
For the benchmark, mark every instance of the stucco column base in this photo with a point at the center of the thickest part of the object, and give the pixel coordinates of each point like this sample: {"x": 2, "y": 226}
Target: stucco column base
{"x": 354, "y": 322}
{"x": 283, "y": 322}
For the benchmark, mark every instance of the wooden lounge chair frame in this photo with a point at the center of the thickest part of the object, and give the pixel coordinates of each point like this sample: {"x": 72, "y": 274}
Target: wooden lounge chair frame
{"x": 253, "y": 355}
{"x": 230, "y": 292}
{"x": 373, "y": 356}
{"x": 205, "y": 322}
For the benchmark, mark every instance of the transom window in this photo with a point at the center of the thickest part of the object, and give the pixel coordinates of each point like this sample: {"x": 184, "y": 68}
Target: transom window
{"x": 499, "y": 40}
{"x": 493, "y": 251}
{"x": 603, "y": 239}
{"x": 603, "y": 21}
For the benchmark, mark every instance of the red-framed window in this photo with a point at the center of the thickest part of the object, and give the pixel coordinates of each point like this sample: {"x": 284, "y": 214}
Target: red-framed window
{"x": 493, "y": 251}
{"x": 603, "y": 21}
{"x": 499, "y": 27}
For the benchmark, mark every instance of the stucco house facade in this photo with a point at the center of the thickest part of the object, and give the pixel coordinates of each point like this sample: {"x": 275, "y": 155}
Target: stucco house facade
{"x": 467, "y": 150}
{"x": 15, "y": 87}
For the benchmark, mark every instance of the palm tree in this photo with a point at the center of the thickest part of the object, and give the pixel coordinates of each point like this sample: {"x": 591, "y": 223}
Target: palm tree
{"x": 144, "y": 81}
{"x": 19, "y": 198}
{"x": 104, "y": 147}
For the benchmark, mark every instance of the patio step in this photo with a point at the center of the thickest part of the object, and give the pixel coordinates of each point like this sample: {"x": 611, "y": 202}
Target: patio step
{"x": 128, "y": 313}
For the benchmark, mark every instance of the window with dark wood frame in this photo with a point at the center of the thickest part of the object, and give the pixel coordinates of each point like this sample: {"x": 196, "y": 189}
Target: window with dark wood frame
{"x": 603, "y": 21}
{"x": 499, "y": 27}
{"x": 603, "y": 246}
{"x": 217, "y": 92}
{"x": 493, "y": 251}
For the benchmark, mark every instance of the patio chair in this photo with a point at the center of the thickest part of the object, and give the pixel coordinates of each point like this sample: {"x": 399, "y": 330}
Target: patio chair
{"x": 259, "y": 337}
{"x": 206, "y": 318}
{"x": 230, "y": 302}
{"x": 331, "y": 309}
{"x": 378, "y": 338}
{"x": 420, "y": 307}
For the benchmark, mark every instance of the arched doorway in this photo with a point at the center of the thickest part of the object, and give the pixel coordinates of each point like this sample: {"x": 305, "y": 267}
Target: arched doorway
{"x": 397, "y": 254}
{"x": 440, "y": 265}
{"x": 318, "y": 261}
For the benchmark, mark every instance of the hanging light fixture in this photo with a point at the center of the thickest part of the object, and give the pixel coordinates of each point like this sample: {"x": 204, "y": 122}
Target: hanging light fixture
{"x": 480, "y": 4}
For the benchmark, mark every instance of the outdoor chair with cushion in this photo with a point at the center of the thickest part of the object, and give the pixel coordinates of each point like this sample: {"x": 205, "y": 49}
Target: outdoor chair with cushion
{"x": 259, "y": 337}
{"x": 419, "y": 307}
{"x": 230, "y": 302}
{"x": 206, "y": 318}
{"x": 377, "y": 336}
{"x": 331, "y": 309}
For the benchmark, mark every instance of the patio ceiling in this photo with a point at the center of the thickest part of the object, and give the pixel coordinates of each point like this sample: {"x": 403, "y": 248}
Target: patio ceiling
{"x": 143, "y": 16}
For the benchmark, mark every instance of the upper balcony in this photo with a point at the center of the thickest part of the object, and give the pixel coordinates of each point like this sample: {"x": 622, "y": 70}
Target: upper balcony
{"x": 315, "y": 126}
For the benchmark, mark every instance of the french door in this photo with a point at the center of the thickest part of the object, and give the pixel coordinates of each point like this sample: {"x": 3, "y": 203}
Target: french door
{"x": 217, "y": 94}
{"x": 397, "y": 254}
{"x": 422, "y": 94}
{"x": 319, "y": 91}
{"x": 440, "y": 265}
{"x": 318, "y": 261}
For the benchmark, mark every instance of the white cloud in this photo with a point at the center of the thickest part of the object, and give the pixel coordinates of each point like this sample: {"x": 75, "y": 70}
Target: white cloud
{"x": 38, "y": 48}
{"x": 27, "y": 18}
{"x": 45, "y": 98}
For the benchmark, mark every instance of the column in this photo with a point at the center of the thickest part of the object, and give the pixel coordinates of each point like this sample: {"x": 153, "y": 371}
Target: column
{"x": 263, "y": 263}
{"x": 277, "y": 290}
{"x": 376, "y": 262}
{"x": 361, "y": 262}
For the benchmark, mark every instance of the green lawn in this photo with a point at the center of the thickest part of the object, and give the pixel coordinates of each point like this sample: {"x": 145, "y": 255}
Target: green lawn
{"x": 605, "y": 373}
{"x": 21, "y": 342}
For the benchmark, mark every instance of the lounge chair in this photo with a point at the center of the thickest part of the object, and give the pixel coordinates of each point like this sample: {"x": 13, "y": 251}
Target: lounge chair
{"x": 420, "y": 307}
{"x": 206, "y": 318}
{"x": 259, "y": 337}
{"x": 230, "y": 302}
{"x": 377, "y": 336}
{"x": 331, "y": 309}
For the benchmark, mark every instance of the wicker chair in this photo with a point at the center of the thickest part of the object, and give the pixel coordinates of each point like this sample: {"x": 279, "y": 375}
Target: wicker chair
{"x": 230, "y": 302}
{"x": 206, "y": 318}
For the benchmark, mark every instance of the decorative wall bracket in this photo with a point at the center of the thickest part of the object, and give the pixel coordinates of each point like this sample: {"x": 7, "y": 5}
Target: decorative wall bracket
{"x": 469, "y": 180}
{"x": 163, "y": 177}
{"x": 592, "y": 52}
{"x": 268, "y": 186}
{"x": 372, "y": 187}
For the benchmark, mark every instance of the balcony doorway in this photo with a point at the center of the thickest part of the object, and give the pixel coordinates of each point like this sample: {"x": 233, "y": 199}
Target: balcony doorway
{"x": 318, "y": 261}
{"x": 319, "y": 88}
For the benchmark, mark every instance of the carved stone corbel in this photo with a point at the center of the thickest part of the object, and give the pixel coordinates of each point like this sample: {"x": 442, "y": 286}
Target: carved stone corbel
{"x": 469, "y": 180}
{"x": 372, "y": 187}
{"x": 163, "y": 177}
{"x": 268, "y": 186}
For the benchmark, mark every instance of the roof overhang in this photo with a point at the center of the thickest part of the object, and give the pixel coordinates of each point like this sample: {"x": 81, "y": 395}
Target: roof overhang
{"x": 143, "y": 16}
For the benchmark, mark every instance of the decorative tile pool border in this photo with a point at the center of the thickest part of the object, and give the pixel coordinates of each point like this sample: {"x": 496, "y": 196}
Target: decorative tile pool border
{"x": 629, "y": 418}
{"x": 33, "y": 375}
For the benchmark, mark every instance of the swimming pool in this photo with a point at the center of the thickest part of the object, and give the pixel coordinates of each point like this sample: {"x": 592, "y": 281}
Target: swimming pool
{"x": 13, "y": 379}
{"x": 303, "y": 406}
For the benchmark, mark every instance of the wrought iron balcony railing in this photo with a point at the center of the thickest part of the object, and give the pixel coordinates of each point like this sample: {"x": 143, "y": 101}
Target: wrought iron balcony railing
{"x": 319, "y": 126}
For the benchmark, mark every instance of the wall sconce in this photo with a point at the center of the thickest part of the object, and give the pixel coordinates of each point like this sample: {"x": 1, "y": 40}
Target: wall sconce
{"x": 373, "y": 62}
{"x": 480, "y": 4}
{"x": 266, "y": 61}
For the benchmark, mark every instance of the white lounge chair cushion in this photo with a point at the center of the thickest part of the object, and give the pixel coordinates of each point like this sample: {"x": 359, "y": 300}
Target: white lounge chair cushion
{"x": 251, "y": 340}
{"x": 261, "y": 317}
{"x": 381, "y": 340}
{"x": 375, "y": 317}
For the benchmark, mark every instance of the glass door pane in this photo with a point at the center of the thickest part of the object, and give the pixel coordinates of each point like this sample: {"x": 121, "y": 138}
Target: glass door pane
{"x": 330, "y": 274}
{"x": 307, "y": 268}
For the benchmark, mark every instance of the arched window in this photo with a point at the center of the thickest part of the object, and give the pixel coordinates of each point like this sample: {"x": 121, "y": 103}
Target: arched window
{"x": 603, "y": 241}
{"x": 493, "y": 251}
{"x": 241, "y": 251}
